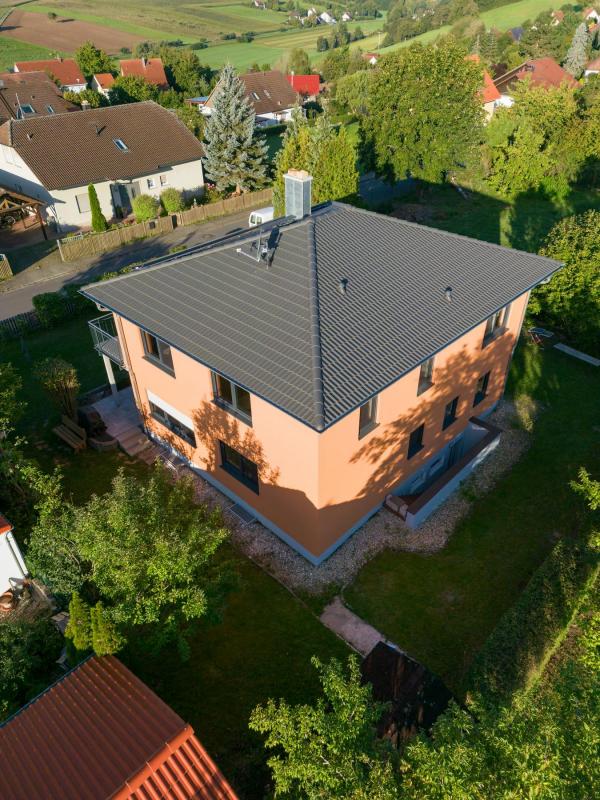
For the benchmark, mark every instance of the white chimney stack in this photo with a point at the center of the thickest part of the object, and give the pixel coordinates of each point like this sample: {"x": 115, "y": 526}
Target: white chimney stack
{"x": 298, "y": 186}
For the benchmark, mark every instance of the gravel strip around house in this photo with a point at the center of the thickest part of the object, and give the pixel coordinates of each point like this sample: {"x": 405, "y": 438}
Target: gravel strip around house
{"x": 383, "y": 530}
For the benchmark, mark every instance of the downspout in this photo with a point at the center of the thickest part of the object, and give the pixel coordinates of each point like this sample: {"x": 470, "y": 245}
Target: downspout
{"x": 134, "y": 386}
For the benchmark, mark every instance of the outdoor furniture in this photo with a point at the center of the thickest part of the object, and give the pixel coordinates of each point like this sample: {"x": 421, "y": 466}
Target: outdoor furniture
{"x": 537, "y": 335}
{"x": 71, "y": 433}
{"x": 396, "y": 505}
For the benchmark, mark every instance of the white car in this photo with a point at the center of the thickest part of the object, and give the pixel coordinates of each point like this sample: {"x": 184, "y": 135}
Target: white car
{"x": 261, "y": 215}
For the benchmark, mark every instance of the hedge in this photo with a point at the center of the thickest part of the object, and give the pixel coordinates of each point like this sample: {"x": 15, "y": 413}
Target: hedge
{"x": 526, "y": 635}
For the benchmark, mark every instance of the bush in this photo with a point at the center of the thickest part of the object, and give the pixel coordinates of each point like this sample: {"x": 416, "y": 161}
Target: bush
{"x": 145, "y": 207}
{"x": 51, "y": 308}
{"x": 172, "y": 201}
{"x": 526, "y": 634}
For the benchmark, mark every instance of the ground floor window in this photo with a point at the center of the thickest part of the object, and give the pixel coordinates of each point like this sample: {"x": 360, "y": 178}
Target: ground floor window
{"x": 239, "y": 466}
{"x": 174, "y": 425}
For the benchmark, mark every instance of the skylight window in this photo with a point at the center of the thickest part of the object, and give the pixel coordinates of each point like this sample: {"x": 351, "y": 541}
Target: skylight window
{"x": 267, "y": 93}
{"x": 49, "y": 109}
{"x": 121, "y": 145}
{"x": 26, "y": 109}
{"x": 255, "y": 96}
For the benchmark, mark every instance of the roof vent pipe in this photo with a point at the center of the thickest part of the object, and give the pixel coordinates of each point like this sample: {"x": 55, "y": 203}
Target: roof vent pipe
{"x": 298, "y": 186}
{"x": 449, "y": 294}
{"x": 343, "y": 285}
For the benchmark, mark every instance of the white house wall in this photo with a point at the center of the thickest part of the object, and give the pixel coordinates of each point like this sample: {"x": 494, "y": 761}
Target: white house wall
{"x": 11, "y": 561}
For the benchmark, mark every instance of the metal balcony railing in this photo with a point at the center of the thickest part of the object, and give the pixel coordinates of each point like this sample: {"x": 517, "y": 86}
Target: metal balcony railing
{"x": 106, "y": 341}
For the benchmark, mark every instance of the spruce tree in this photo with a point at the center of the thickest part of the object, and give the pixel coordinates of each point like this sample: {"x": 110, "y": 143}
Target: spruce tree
{"x": 99, "y": 223}
{"x": 235, "y": 154}
{"x": 578, "y": 51}
{"x": 78, "y": 630}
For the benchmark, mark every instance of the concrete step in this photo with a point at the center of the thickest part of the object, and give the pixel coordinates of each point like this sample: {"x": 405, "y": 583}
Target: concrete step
{"x": 134, "y": 441}
{"x": 149, "y": 454}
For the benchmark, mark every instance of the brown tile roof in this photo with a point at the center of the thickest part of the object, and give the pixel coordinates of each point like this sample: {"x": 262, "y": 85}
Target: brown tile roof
{"x": 65, "y": 70}
{"x": 83, "y": 148}
{"x": 104, "y": 79}
{"x": 151, "y": 69}
{"x": 30, "y": 88}
{"x": 269, "y": 92}
{"x": 101, "y": 733}
{"x": 542, "y": 71}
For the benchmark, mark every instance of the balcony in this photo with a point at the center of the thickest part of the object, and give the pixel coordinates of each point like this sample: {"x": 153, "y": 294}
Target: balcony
{"x": 106, "y": 341}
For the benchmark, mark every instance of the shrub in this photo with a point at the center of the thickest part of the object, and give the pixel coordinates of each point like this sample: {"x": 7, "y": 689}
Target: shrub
{"x": 50, "y": 308}
{"x": 145, "y": 207}
{"x": 59, "y": 379}
{"x": 172, "y": 201}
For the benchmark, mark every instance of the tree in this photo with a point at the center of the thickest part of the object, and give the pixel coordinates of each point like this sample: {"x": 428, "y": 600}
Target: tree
{"x": 59, "y": 379}
{"x": 424, "y": 114}
{"x": 352, "y": 91}
{"x": 145, "y": 207}
{"x": 571, "y": 300}
{"x": 235, "y": 155}
{"x": 93, "y": 98}
{"x": 324, "y": 151}
{"x": 299, "y": 62}
{"x": 92, "y": 60}
{"x": 588, "y": 488}
{"x": 79, "y": 629}
{"x": 192, "y": 119}
{"x": 185, "y": 73}
{"x": 99, "y": 222}
{"x": 329, "y": 750}
{"x": 105, "y": 638}
{"x": 131, "y": 89}
{"x": 28, "y": 652}
{"x": 172, "y": 201}
{"x": 52, "y": 16}
{"x": 11, "y": 405}
{"x": 578, "y": 53}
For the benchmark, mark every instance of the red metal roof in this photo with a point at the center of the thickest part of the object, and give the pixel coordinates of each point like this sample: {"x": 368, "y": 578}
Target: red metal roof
{"x": 101, "y": 733}
{"x": 65, "y": 70}
{"x": 5, "y": 525}
{"x": 151, "y": 69}
{"x": 309, "y": 85}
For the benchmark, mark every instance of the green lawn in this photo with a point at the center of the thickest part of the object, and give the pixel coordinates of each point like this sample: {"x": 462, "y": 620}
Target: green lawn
{"x": 442, "y": 607}
{"x": 12, "y": 50}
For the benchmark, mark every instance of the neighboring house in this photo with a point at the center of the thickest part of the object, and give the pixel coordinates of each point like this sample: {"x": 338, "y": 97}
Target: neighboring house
{"x": 327, "y": 19}
{"x": 489, "y": 94}
{"x": 543, "y": 72}
{"x": 102, "y": 82}
{"x": 311, "y": 366}
{"x": 346, "y": 16}
{"x": 591, "y": 14}
{"x": 99, "y": 733}
{"x": 269, "y": 92}
{"x": 307, "y": 86}
{"x": 592, "y": 68}
{"x": 371, "y": 58}
{"x": 557, "y": 17}
{"x": 125, "y": 150}
{"x": 64, "y": 71}
{"x": 150, "y": 69}
{"x": 516, "y": 33}
{"x": 29, "y": 94}
{"x": 12, "y": 565}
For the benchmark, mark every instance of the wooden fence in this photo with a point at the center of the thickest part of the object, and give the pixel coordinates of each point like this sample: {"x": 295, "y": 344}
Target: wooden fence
{"x": 28, "y": 321}
{"x": 5, "y": 270}
{"x": 90, "y": 244}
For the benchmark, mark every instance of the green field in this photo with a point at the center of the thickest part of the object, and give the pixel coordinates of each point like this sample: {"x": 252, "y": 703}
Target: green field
{"x": 12, "y": 50}
{"x": 503, "y": 18}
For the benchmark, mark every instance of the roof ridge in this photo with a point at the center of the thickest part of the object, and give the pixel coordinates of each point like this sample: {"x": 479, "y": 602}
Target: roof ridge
{"x": 315, "y": 330}
{"x": 462, "y": 236}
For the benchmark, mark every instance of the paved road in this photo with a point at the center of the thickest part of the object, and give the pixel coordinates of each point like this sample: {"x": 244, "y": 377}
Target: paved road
{"x": 52, "y": 273}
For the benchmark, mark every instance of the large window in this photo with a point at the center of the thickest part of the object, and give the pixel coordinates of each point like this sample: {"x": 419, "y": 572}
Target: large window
{"x": 83, "y": 202}
{"x": 232, "y": 397}
{"x": 415, "y": 443}
{"x": 159, "y": 352}
{"x": 496, "y": 324}
{"x": 367, "y": 417}
{"x": 481, "y": 390}
{"x": 450, "y": 413}
{"x": 425, "y": 376}
{"x": 174, "y": 425}
{"x": 239, "y": 466}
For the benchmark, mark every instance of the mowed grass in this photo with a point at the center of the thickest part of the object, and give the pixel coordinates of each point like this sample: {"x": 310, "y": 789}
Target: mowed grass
{"x": 12, "y": 50}
{"x": 441, "y": 608}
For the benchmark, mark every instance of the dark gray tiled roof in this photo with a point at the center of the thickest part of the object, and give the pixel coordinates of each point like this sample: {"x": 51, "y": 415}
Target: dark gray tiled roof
{"x": 287, "y": 333}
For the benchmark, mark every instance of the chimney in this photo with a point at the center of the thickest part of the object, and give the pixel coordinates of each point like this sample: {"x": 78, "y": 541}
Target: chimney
{"x": 85, "y": 105}
{"x": 144, "y": 61}
{"x": 298, "y": 184}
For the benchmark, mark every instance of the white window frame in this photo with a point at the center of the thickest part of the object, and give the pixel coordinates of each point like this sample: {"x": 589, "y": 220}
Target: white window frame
{"x": 87, "y": 201}
{"x": 164, "y": 179}
{"x": 151, "y": 183}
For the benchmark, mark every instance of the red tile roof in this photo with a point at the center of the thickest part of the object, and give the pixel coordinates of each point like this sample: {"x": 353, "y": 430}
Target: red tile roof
{"x": 64, "y": 70}
{"x": 151, "y": 69}
{"x": 490, "y": 93}
{"x": 104, "y": 79}
{"x": 309, "y": 85}
{"x": 594, "y": 64}
{"x": 5, "y": 525}
{"x": 542, "y": 71}
{"x": 101, "y": 733}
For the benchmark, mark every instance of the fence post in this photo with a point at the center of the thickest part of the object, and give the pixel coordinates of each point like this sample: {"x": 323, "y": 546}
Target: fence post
{"x": 60, "y": 250}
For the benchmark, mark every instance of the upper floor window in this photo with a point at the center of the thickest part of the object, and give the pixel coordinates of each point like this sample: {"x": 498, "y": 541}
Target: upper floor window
{"x": 83, "y": 202}
{"x": 450, "y": 413}
{"x": 425, "y": 376}
{"x": 415, "y": 443}
{"x": 481, "y": 390}
{"x": 151, "y": 183}
{"x": 163, "y": 180}
{"x": 158, "y": 351}
{"x": 367, "y": 417}
{"x": 496, "y": 324}
{"x": 232, "y": 397}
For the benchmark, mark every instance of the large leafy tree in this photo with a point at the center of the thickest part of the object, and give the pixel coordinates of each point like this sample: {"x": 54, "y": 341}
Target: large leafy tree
{"x": 236, "y": 157}
{"x": 185, "y": 72}
{"x": 91, "y": 60}
{"x": 326, "y": 152}
{"x": 424, "y": 115}
{"x": 131, "y": 89}
{"x": 145, "y": 549}
{"x": 328, "y": 750}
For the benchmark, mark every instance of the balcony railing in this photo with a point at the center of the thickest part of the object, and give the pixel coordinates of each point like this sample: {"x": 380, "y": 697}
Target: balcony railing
{"x": 106, "y": 341}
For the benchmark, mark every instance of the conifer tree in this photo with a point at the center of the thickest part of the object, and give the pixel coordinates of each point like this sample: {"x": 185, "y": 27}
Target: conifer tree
{"x": 235, "y": 154}
{"x": 99, "y": 223}
{"x": 578, "y": 51}
{"x": 79, "y": 630}
{"x": 105, "y": 638}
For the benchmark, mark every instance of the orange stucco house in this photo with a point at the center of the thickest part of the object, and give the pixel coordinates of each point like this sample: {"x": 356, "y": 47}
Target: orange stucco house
{"x": 311, "y": 367}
